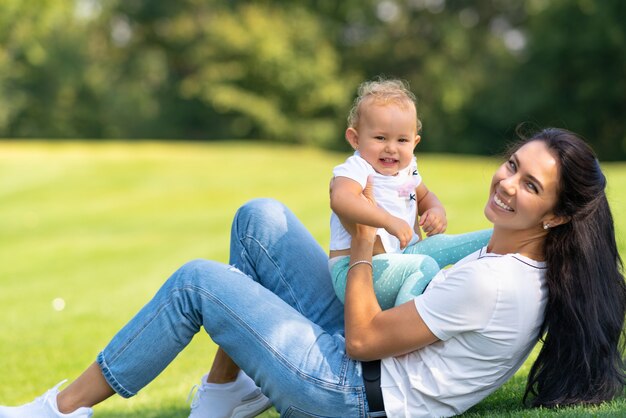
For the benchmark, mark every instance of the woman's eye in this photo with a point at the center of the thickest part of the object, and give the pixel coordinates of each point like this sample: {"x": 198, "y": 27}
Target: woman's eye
{"x": 532, "y": 187}
{"x": 512, "y": 165}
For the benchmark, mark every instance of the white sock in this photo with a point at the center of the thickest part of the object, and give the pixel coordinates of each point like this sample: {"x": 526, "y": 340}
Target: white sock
{"x": 219, "y": 399}
{"x": 242, "y": 383}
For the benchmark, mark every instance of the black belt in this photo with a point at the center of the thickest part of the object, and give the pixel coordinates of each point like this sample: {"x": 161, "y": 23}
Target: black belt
{"x": 373, "y": 392}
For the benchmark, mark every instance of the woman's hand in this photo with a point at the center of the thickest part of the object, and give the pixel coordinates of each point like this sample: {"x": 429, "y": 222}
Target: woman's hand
{"x": 395, "y": 226}
{"x": 361, "y": 231}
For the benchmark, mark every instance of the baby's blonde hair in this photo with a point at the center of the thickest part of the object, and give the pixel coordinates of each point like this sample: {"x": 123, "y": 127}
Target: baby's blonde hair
{"x": 383, "y": 92}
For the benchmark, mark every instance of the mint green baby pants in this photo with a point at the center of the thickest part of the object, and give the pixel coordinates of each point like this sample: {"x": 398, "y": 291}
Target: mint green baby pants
{"x": 401, "y": 277}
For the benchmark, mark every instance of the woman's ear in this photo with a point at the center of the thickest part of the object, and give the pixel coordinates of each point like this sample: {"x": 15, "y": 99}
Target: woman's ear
{"x": 556, "y": 221}
{"x": 352, "y": 136}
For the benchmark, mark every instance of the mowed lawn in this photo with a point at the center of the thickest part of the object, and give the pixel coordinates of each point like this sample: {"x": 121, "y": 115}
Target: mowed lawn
{"x": 89, "y": 231}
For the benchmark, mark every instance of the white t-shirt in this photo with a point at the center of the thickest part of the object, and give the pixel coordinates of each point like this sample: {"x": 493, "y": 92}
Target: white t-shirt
{"x": 395, "y": 194}
{"x": 487, "y": 311}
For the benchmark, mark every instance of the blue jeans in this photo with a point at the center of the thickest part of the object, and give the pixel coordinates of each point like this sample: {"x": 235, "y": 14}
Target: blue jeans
{"x": 275, "y": 313}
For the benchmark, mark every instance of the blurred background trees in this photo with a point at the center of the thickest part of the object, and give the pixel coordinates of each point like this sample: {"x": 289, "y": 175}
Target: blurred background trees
{"x": 288, "y": 70}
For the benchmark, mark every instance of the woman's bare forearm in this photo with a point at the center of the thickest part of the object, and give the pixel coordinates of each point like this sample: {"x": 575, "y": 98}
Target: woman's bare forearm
{"x": 361, "y": 305}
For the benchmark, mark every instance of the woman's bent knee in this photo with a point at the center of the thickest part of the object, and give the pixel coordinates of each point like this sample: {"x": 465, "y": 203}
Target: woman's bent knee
{"x": 261, "y": 218}
{"x": 259, "y": 208}
{"x": 195, "y": 272}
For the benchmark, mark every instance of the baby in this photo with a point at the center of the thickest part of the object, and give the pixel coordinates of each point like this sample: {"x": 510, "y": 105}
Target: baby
{"x": 383, "y": 129}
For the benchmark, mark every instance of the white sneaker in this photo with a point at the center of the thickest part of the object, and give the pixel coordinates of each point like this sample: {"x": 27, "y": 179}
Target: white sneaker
{"x": 44, "y": 406}
{"x": 239, "y": 399}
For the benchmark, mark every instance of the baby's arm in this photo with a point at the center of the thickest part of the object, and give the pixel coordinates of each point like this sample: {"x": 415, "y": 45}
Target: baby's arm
{"x": 432, "y": 214}
{"x": 347, "y": 201}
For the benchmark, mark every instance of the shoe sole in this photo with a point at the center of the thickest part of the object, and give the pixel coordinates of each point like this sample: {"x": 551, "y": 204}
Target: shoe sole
{"x": 252, "y": 408}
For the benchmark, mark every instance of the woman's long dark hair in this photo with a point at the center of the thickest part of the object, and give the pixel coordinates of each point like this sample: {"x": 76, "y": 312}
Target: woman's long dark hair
{"x": 580, "y": 361}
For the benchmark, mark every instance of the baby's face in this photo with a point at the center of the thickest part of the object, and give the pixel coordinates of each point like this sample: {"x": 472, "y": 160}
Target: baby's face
{"x": 386, "y": 136}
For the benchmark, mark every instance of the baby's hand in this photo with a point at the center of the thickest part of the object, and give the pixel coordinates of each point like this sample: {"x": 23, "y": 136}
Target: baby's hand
{"x": 401, "y": 230}
{"x": 434, "y": 221}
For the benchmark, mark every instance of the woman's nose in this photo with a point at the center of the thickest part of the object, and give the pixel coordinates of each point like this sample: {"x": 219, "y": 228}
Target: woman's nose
{"x": 508, "y": 185}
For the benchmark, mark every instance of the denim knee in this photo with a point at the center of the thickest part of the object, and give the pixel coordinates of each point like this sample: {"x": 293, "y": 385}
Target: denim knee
{"x": 259, "y": 208}
{"x": 191, "y": 273}
{"x": 263, "y": 220}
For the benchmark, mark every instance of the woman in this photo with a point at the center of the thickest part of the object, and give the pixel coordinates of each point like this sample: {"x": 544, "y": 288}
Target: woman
{"x": 553, "y": 250}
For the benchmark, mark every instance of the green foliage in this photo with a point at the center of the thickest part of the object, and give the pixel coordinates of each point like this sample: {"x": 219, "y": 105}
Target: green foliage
{"x": 271, "y": 70}
{"x": 570, "y": 75}
{"x": 288, "y": 70}
{"x": 39, "y": 60}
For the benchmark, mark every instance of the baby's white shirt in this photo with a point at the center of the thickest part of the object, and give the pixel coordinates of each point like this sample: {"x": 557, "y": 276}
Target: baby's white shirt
{"x": 395, "y": 194}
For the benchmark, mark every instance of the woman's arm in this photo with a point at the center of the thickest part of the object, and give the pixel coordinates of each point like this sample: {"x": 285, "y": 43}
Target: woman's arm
{"x": 372, "y": 333}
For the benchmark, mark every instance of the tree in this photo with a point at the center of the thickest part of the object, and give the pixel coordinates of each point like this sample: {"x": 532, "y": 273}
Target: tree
{"x": 40, "y": 70}
{"x": 287, "y": 70}
{"x": 269, "y": 71}
{"x": 570, "y": 74}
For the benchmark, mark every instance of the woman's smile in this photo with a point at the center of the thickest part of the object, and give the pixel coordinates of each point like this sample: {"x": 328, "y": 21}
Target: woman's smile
{"x": 501, "y": 204}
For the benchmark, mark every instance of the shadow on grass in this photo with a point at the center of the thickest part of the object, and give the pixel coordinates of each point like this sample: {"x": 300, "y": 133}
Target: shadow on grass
{"x": 164, "y": 412}
{"x": 507, "y": 402}
{"x": 157, "y": 412}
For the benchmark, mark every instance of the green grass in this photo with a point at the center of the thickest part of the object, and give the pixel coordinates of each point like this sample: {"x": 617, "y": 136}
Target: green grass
{"x": 102, "y": 225}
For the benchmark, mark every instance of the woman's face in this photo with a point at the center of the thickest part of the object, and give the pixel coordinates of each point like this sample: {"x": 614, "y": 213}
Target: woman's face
{"x": 524, "y": 189}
